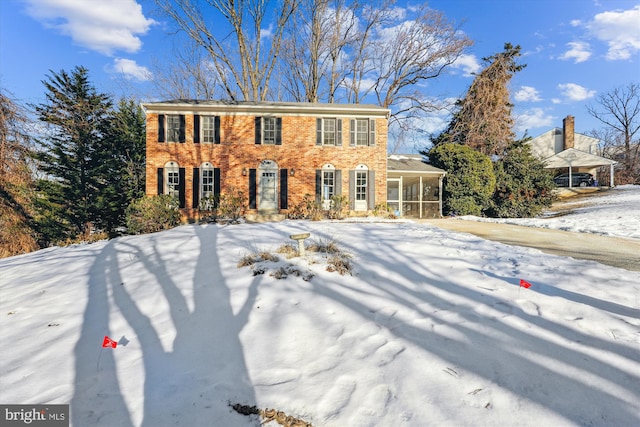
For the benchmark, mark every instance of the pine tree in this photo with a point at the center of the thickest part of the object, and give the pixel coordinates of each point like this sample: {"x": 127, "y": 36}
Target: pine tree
{"x": 483, "y": 120}
{"x": 123, "y": 165}
{"x": 73, "y": 151}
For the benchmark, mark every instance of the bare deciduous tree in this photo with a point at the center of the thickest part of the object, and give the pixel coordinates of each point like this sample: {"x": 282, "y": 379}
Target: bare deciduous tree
{"x": 620, "y": 111}
{"x": 188, "y": 75}
{"x": 244, "y": 68}
{"x": 17, "y": 234}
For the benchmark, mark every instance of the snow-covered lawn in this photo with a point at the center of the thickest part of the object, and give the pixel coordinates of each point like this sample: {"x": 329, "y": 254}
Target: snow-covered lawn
{"x": 615, "y": 214}
{"x": 432, "y": 329}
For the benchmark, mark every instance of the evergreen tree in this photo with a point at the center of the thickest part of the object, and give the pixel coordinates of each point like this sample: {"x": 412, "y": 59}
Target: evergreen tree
{"x": 469, "y": 182}
{"x": 73, "y": 153}
{"x": 483, "y": 120}
{"x": 523, "y": 186}
{"x": 122, "y": 169}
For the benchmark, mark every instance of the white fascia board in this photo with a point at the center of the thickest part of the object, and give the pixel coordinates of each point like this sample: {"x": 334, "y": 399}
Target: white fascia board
{"x": 274, "y": 109}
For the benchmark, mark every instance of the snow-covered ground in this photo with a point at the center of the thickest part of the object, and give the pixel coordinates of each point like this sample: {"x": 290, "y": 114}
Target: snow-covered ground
{"x": 433, "y": 329}
{"x": 616, "y": 213}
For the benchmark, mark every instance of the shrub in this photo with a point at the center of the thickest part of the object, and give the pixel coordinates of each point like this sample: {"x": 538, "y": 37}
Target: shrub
{"x": 470, "y": 180}
{"x": 339, "y": 205}
{"x": 384, "y": 210}
{"x": 308, "y": 208}
{"x": 232, "y": 205}
{"x": 524, "y": 187}
{"x": 151, "y": 214}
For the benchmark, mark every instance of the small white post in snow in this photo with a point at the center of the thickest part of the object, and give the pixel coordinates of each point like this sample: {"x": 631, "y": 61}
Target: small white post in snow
{"x": 300, "y": 238}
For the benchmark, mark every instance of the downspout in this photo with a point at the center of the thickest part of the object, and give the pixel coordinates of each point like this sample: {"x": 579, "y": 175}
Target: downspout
{"x": 440, "y": 193}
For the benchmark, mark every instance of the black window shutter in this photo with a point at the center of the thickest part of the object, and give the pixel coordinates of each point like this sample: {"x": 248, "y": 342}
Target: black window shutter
{"x": 216, "y": 185}
{"x": 216, "y": 126}
{"x": 318, "y": 131}
{"x": 181, "y": 187}
{"x": 160, "y": 181}
{"x": 371, "y": 189}
{"x": 338, "y": 182}
{"x": 318, "y": 186}
{"x": 258, "y": 122}
{"x": 196, "y": 187}
{"x": 160, "y": 127}
{"x": 252, "y": 189}
{"x": 338, "y": 131}
{"x": 372, "y": 132}
{"x": 196, "y": 129}
{"x": 279, "y": 131}
{"x": 182, "y": 128}
{"x": 284, "y": 192}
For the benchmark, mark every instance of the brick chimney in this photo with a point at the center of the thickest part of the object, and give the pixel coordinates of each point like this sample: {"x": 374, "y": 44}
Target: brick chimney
{"x": 568, "y": 132}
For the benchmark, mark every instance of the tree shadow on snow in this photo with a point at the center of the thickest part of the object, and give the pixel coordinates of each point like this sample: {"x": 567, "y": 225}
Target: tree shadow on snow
{"x": 506, "y": 363}
{"x": 188, "y": 382}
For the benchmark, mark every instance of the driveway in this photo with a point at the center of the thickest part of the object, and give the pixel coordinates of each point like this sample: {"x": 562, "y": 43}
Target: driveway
{"x": 621, "y": 253}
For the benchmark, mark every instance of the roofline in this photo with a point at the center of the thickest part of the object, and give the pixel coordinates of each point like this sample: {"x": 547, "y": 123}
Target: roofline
{"x": 258, "y": 108}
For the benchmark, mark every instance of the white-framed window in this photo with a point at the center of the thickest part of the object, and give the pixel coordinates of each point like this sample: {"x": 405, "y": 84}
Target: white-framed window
{"x": 174, "y": 128}
{"x": 208, "y": 129}
{"x": 328, "y": 131}
{"x": 361, "y": 185}
{"x": 328, "y": 182}
{"x": 172, "y": 180}
{"x": 207, "y": 180}
{"x": 269, "y": 130}
{"x": 363, "y": 132}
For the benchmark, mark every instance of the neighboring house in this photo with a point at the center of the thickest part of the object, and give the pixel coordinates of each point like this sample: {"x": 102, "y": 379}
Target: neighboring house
{"x": 274, "y": 152}
{"x": 567, "y": 151}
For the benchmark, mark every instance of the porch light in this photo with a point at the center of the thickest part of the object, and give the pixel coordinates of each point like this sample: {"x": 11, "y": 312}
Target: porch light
{"x": 244, "y": 171}
{"x": 292, "y": 172}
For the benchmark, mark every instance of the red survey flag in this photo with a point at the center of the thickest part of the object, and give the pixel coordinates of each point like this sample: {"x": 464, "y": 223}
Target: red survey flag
{"x": 108, "y": 342}
{"x": 525, "y": 284}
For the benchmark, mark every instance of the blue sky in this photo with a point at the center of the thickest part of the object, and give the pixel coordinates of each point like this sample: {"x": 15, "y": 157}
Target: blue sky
{"x": 575, "y": 50}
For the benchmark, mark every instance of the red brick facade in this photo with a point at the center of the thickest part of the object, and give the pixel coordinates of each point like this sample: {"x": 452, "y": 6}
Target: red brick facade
{"x": 297, "y": 156}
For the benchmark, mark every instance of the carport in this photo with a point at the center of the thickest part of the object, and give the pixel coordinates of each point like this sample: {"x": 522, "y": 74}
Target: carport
{"x": 414, "y": 188}
{"x": 574, "y": 160}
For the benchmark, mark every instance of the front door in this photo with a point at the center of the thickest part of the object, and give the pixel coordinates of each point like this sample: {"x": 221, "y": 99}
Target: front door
{"x": 268, "y": 186}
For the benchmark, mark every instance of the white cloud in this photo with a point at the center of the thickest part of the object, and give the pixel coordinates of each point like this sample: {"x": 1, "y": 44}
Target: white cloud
{"x": 575, "y": 92}
{"x": 468, "y": 64}
{"x": 527, "y": 93}
{"x": 103, "y": 26}
{"x": 131, "y": 70}
{"x": 579, "y": 51}
{"x": 532, "y": 119}
{"x": 620, "y": 30}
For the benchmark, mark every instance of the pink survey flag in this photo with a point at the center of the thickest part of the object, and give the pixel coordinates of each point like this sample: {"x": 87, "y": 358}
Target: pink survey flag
{"x": 108, "y": 342}
{"x": 525, "y": 284}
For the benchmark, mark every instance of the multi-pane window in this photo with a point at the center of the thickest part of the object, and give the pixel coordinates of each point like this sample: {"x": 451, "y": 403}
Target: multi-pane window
{"x": 173, "y": 182}
{"x": 173, "y": 128}
{"x": 362, "y": 132}
{"x": 329, "y": 132}
{"x": 207, "y": 182}
{"x": 208, "y": 125}
{"x": 328, "y": 185}
{"x": 361, "y": 185}
{"x": 268, "y": 130}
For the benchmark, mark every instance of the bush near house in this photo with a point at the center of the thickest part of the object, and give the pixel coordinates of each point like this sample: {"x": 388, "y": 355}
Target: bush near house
{"x": 151, "y": 214}
{"x": 523, "y": 187}
{"x": 470, "y": 180}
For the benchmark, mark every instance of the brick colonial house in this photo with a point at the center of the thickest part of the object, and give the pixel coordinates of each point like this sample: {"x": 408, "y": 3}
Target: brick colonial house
{"x": 275, "y": 153}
